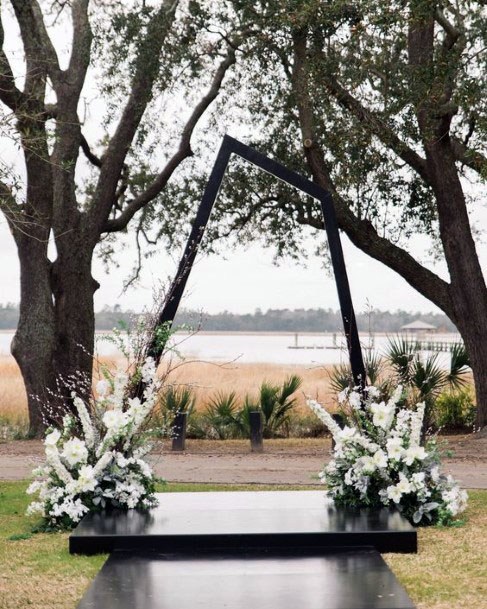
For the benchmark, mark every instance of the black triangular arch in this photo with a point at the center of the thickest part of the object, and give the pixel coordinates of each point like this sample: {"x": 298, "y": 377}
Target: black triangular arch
{"x": 231, "y": 146}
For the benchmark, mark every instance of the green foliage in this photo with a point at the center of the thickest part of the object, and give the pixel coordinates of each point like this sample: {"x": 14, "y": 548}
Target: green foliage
{"x": 222, "y": 416}
{"x": 454, "y": 410}
{"x": 275, "y": 402}
{"x": 225, "y": 418}
{"x": 422, "y": 373}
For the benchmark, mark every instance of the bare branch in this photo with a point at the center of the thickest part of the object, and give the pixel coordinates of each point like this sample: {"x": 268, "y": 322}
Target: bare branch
{"x": 81, "y": 44}
{"x": 182, "y": 153}
{"x": 85, "y": 147}
{"x": 452, "y": 33}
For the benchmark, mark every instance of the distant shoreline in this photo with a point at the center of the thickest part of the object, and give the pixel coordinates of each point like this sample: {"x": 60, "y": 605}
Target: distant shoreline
{"x": 276, "y": 333}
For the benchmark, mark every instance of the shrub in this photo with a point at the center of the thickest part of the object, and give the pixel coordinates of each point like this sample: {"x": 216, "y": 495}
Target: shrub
{"x": 454, "y": 410}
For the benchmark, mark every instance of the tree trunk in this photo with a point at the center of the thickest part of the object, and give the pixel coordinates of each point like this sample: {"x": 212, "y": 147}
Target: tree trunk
{"x": 73, "y": 289}
{"x": 34, "y": 340}
{"x": 54, "y": 341}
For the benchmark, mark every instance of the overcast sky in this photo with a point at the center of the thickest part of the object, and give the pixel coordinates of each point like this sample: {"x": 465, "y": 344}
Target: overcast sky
{"x": 246, "y": 280}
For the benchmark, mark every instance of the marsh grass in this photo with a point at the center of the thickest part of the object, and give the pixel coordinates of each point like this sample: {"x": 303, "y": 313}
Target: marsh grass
{"x": 206, "y": 380}
{"x": 37, "y": 572}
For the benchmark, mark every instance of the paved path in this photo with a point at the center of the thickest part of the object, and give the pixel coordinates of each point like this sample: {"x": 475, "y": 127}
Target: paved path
{"x": 236, "y": 465}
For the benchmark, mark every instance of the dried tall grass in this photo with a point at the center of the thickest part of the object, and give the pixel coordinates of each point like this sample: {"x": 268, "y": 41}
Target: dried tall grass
{"x": 205, "y": 378}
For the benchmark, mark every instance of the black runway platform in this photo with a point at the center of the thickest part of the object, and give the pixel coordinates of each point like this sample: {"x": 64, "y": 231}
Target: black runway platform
{"x": 351, "y": 579}
{"x": 252, "y": 550}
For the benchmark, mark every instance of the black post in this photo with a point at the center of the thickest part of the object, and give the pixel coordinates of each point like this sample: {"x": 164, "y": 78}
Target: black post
{"x": 179, "y": 431}
{"x": 256, "y": 436}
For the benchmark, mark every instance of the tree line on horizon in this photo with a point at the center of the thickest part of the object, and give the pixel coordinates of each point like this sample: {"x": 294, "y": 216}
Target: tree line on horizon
{"x": 272, "y": 320}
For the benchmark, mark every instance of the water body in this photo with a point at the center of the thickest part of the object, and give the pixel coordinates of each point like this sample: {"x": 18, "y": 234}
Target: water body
{"x": 262, "y": 347}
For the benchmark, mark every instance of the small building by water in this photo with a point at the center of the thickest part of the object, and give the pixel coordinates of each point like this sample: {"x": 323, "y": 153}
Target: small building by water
{"x": 418, "y": 328}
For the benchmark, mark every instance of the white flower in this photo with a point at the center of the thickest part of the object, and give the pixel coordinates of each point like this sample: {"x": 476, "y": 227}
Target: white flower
{"x": 395, "y": 448}
{"x": 394, "y": 493}
{"x": 325, "y": 417}
{"x": 403, "y": 485}
{"x": 114, "y": 420}
{"x": 74, "y": 451}
{"x": 435, "y": 473}
{"x": 102, "y": 388}
{"x": 348, "y": 479}
{"x": 102, "y": 463}
{"x": 417, "y": 481}
{"x": 148, "y": 370}
{"x": 372, "y": 391}
{"x": 354, "y": 399}
{"x": 85, "y": 419}
{"x": 417, "y": 424}
{"x": 342, "y": 396}
{"x": 36, "y": 507}
{"x": 52, "y": 438}
{"x": 367, "y": 464}
{"x": 382, "y": 415}
{"x": 53, "y": 460}
{"x": 34, "y": 487}
{"x": 414, "y": 453}
{"x": 380, "y": 459}
{"x": 86, "y": 480}
{"x": 347, "y": 433}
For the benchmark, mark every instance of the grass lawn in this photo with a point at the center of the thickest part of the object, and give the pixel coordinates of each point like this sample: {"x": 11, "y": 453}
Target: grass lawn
{"x": 36, "y": 571}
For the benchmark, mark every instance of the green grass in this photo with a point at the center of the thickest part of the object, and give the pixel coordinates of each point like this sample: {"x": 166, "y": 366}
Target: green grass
{"x": 37, "y": 572}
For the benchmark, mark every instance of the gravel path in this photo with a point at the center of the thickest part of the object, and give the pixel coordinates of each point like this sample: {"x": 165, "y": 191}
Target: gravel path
{"x": 283, "y": 462}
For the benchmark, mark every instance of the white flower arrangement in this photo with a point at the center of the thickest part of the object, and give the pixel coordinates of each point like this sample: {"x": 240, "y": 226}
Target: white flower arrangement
{"x": 378, "y": 459}
{"x": 95, "y": 460}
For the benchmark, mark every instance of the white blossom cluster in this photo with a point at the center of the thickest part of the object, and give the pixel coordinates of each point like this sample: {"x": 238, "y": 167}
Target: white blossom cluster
{"x": 95, "y": 460}
{"x": 378, "y": 459}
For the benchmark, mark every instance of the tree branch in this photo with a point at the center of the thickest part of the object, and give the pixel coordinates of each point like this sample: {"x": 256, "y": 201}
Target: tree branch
{"x": 471, "y": 158}
{"x": 40, "y": 55}
{"x": 361, "y": 232}
{"x": 81, "y": 44}
{"x": 146, "y": 71}
{"x": 378, "y": 127}
{"x": 85, "y": 147}
{"x": 184, "y": 150}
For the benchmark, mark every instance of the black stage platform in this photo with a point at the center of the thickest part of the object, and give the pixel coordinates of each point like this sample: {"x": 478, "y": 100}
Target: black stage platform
{"x": 253, "y": 550}
{"x": 233, "y": 521}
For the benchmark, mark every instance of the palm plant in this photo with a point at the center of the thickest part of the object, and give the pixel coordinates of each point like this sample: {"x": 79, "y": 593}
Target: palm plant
{"x": 276, "y": 402}
{"x": 422, "y": 373}
{"x": 222, "y": 415}
{"x": 174, "y": 400}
